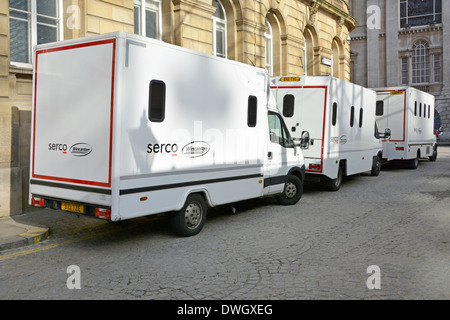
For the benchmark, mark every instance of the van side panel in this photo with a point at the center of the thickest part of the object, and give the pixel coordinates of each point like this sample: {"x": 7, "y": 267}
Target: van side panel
{"x": 203, "y": 139}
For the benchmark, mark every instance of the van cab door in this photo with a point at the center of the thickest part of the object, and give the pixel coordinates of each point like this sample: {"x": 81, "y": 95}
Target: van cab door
{"x": 281, "y": 154}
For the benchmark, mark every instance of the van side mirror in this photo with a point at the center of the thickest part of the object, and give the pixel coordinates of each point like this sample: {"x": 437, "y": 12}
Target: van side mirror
{"x": 387, "y": 133}
{"x": 304, "y": 144}
{"x": 439, "y": 132}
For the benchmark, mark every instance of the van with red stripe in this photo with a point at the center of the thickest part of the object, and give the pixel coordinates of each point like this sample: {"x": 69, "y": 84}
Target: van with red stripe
{"x": 124, "y": 126}
{"x": 409, "y": 113}
{"x": 340, "y": 118}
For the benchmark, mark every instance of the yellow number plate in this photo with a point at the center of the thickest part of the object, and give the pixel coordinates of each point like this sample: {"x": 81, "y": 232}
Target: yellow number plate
{"x": 290, "y": 79}
{"x": 67, "y": 206}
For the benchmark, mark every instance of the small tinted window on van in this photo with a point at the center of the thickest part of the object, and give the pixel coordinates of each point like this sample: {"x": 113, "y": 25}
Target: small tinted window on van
{"x": 334, "y": 115}
{"x": 379, "y": 110}
{"x": 360, "y": 117}
{"x": 288, "y": 105}
{"x": 251, "y": 111}
{"x": 352, "y": 116}
{"x": 156, "y": 101}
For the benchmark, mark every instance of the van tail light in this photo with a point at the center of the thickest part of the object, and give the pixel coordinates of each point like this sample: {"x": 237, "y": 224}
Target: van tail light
{"x": 399, "y": 148}
{"x": 314, "y": 167}
{"x": 38, "y": 202}
{"x": 103, "y": 213}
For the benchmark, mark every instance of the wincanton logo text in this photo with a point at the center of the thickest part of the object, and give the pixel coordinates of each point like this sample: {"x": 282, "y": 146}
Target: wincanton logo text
{"x": 80, "y": 149}
{"x": 195, "y": 149}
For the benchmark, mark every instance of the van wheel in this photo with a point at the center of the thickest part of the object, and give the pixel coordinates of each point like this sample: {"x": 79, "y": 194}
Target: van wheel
{"x": 376, "y": 167}
{"x": 293, "y": 190}
{"x": 434, "y": 156}
{"x": 190, "y": 220}
{"x": 413, "y": 163}
{"x": 335, "y": 184}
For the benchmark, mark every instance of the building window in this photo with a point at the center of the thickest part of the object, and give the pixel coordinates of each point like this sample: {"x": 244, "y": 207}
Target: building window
{"x": 219, "y": 30}
{"x": 415, "y": 13}
{"x": 437, "y": 67}
{"x": 269, "y": 48}
{"x": 147, "y": 18}
{"x": 405, "y": 74}
{"x": 421, "y": 62}
{"x": 33, "y": 22}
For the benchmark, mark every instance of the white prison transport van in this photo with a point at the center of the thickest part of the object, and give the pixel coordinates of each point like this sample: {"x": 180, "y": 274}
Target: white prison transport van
{"x": 340, "y": 118}
{"x": 409, "y": 113}
{"x": 125, "y": 126}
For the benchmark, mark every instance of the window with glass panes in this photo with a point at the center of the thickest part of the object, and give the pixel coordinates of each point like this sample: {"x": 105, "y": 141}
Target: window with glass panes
{"x": 421, "y": 62}
{"x": 219, "y": 30}
{"x": 147, "y": 18}
{"x": 33, "y": 22}
{"x": 415, "y": 13}
{"x": 269, "y": 48}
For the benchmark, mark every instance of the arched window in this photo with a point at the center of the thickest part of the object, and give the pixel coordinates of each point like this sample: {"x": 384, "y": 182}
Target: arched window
{"x": 219, "y": 30}
{"x": 421, "y": 62}
{"x": 269, "y": 48}
{"x": 309, "y": 65}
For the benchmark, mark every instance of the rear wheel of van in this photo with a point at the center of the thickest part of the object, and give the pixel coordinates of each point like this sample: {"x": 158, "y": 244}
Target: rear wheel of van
{"x": 413, "y": 163}
{"x": 293, "y": 190}
{"x": 376, "y": 167}
{"x": 190, "y": 220}
{"x": 335, "y": 184}
{"x": 434, "y": 156}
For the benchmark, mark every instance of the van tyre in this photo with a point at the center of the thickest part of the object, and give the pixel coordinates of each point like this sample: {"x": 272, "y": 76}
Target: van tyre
{"x": 293, "y": 190}
{"x": 376, "y": 167}
{"x": 413, "y": 163}
{"x": 190, "y": 220}
{"x": 434, "y": 156}
{"x": 335, "y": 184}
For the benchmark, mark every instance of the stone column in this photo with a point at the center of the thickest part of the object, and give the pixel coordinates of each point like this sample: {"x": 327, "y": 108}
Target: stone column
{"x": 392, "y": 59}
{"x": 446, "y": 46}
{"x": 373, "y": 51}
{"x": 193, "y": 24}
{"x": 252, "y": 41}
{"x": 443, "y": 101}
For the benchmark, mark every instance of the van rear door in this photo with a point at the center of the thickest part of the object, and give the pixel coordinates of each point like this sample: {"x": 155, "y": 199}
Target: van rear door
{"x": 73, "y": 117}
{"x": 308, "y": 114}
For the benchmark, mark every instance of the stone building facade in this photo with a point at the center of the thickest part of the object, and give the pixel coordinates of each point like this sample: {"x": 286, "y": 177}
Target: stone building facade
{"x": 284, "y": 36}
{"x": 404, "y": 42}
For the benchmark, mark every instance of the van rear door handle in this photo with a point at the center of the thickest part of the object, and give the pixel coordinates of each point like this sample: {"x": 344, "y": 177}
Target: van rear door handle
{"x": 269, "y": 155}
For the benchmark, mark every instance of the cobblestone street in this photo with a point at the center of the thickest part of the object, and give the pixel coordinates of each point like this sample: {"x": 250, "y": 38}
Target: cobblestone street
{"x": 318, "y": 249}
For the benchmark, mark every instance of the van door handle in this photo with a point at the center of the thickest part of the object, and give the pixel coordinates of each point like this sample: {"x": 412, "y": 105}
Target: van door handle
{"x": 269, "y": 155}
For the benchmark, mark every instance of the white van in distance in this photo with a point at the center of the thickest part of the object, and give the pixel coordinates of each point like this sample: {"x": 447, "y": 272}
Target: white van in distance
{"x": 125, "y": 126}
{"x": 409, "y": 113}
{"x": 340, "y": 118}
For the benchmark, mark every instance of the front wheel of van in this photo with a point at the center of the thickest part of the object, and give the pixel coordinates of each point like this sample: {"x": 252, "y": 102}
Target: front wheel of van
{"x": 190, "y": 220}
{"x": 293, "y": 190}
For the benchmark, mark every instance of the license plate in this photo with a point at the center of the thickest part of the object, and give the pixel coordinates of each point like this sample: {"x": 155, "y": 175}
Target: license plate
{"x": 72, "y": 207}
